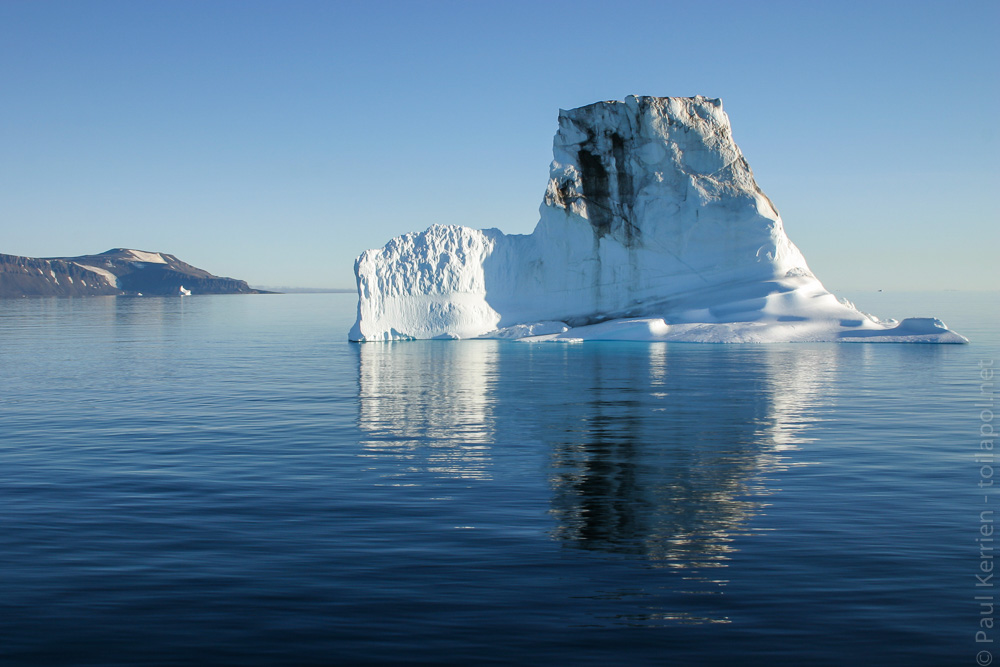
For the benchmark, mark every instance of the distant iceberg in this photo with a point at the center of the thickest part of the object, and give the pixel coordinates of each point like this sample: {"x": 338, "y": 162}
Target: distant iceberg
{"x": 652, "y": 228}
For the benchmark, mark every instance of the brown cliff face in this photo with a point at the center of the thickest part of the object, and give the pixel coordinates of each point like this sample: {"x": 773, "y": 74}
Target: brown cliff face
{"x": 119, "y": 271}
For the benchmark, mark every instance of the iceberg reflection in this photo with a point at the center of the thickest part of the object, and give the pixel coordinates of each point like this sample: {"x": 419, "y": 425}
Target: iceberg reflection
{"x": 427, "y": 408}
{"x": 656, "y": 451}
{"x": 665, "y": 453}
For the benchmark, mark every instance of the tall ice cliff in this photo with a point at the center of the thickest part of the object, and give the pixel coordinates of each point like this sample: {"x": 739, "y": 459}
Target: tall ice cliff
{"x": 652, "y": 228}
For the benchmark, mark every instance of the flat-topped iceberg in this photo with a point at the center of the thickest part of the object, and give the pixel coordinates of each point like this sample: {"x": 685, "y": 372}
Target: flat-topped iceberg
{"x": 652, "y": 228}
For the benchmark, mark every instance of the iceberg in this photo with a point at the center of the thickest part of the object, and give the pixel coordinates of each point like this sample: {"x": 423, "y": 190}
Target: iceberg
{"x": 652, "y": 228}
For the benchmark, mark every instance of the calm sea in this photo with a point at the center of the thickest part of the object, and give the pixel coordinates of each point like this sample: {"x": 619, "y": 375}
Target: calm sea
{"x": 226, "y": 480}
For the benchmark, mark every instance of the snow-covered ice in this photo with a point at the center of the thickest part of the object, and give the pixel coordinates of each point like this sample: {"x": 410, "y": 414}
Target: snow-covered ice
{"x": 148, "y": 257}
{"x": 111, "y": 278}
{"x": 652, "y": 228}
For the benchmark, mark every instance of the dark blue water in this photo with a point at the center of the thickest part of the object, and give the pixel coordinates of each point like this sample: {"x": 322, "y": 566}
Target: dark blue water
{"x": 225, "y": 480}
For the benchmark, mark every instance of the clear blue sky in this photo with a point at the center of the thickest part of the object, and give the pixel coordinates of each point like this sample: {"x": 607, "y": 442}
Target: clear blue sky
{"x": 275, "y": 141}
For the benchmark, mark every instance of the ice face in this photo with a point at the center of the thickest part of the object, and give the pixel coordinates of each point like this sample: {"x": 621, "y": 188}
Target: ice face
{"x": 652, "y": 227}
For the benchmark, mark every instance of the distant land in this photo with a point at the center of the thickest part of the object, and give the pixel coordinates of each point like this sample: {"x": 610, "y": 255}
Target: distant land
{"x": 307, "y": 290}
{"x": 119, "y": 271}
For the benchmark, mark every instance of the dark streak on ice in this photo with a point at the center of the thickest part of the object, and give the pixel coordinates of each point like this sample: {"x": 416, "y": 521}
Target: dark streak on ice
{"x": 608, "y": 210}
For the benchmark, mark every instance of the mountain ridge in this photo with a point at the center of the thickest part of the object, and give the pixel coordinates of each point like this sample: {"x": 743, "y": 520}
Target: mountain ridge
{"x": 115, "y": 272}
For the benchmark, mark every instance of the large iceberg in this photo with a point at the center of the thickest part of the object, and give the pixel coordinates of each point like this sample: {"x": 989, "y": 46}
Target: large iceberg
{"x": 652, "y": 228}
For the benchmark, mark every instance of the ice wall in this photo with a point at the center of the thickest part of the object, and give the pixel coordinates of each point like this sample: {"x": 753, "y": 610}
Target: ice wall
{"x": 652, "y": 227}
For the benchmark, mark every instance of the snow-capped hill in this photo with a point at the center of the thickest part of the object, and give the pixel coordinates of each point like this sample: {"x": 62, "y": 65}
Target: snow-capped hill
{"x": 118, "y": 271}
{"x": 140, "y": 256}
{"x": 652, "y": 227}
